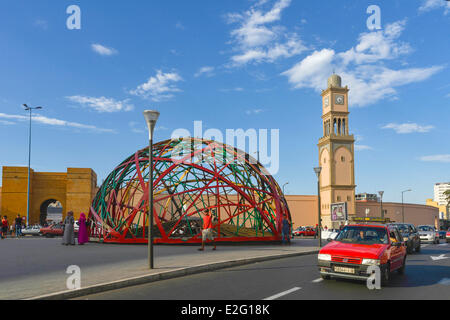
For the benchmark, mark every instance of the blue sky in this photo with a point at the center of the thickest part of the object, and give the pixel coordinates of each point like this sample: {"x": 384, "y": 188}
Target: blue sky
{"x": 230, "y": 64}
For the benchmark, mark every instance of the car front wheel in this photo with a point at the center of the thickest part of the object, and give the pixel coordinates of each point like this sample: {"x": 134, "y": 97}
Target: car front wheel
{"x": 402, "y": 269}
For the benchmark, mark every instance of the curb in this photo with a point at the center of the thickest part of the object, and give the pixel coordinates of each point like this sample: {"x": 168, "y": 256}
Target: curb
{"x": 119, "y": 284}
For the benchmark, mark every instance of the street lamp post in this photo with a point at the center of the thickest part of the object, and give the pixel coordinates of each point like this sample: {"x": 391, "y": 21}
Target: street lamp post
{"x": 403, "y": 209}
{"x": 381, "y": 198}
{"x": 284, "y": 186}
{"x": 151, "y": 117}
{"x": 317, "y": 171}
{"x": 27, "y": 108}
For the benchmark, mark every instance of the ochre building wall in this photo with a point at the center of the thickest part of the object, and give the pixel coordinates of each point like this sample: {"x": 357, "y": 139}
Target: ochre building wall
{"x": 75, "y": 190}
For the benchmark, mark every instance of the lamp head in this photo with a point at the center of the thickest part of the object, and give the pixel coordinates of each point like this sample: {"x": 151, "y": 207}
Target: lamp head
{"x": 318, "y": 170}
{"x": 381, "y": 193}
{"x": 151, "y": 117}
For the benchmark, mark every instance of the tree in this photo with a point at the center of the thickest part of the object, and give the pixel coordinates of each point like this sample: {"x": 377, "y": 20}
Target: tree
{"x": 447, "y": 195}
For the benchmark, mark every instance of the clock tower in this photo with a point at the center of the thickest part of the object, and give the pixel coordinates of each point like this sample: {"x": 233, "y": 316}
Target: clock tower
{"x": 336, "y": 153}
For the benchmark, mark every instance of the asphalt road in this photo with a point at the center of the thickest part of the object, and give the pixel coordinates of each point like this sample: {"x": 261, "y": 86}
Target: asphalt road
{"x": 34, "y": 256}
{"x": 427, "y": 276}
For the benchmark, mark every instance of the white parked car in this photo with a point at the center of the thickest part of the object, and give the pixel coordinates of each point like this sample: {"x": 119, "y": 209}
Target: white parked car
{"x": 428, "y": 234}
{"x": 329, "y": 234}
{"x": 31, "y": 230}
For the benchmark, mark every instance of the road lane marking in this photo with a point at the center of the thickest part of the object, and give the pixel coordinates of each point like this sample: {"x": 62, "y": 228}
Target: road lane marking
{"x": 445, "y": 282}
{"x": 318, "y": 280}
{"x": 284, "y": 293}
{"x": 441, "y": 257}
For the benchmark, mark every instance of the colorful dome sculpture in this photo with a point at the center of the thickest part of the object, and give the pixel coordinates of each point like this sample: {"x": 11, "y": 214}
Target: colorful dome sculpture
{"x": 189, "y": 175}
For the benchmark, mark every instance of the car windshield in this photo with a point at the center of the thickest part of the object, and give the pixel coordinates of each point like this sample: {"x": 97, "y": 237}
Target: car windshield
{"x": 425, "y": 228}
{"x": 403, "y": 228}
{"x": 363, "y": 235}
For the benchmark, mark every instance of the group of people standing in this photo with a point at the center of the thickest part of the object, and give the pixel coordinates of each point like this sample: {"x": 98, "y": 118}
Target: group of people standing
{"x": 69, "y": 230}
{"x": 17, "y": 226}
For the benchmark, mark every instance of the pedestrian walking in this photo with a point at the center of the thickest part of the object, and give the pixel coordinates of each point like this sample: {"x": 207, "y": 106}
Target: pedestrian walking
{"x": 69, "y": 233}
{"x": 4, "y": 227}
{"x": 286, "y": 232}
{"x": 82, "y": 230}
{"x": 207, "y": 232}
{"x": 18, "y": 226}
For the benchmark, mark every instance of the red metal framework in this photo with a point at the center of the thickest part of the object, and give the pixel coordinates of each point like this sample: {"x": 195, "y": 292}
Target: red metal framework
{"x": 189, "y": 175}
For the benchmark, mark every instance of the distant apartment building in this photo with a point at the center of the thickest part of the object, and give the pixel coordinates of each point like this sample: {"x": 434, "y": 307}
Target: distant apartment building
{"x": 439, "y": 189}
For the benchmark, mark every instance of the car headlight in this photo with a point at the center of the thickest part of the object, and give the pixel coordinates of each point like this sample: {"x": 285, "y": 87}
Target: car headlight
{"x": 324, "y": 257}
{"x": 371, "y": 262}
{"x": 405, "y": 239}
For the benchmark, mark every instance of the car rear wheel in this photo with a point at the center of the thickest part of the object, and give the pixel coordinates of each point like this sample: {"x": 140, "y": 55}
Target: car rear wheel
{"x": 409, "y": 249}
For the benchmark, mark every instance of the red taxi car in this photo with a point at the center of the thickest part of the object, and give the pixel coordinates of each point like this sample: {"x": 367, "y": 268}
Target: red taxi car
{"x": 304, "y": 232}
{"x": 359, "y": 246}
{"x": 54, "y": 230}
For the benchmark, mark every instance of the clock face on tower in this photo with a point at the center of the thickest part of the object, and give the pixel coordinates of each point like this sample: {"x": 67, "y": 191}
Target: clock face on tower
{"x": 339, "y": 99}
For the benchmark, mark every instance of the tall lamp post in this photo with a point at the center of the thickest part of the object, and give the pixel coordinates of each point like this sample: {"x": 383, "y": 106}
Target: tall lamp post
{"x": 318, "y": 170}
{"x": 403, "y": 209}
{"x": 381, "y": 198}
{"x": 27, "y": 108}
{"x": 151, "y": 117}
{"x": 284, "y": 186}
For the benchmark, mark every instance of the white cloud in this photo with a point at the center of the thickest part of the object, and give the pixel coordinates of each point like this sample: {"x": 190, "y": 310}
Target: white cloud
{"x": 6, "y": 123}
{"x": 102, "y": 104}
{"x": 257, "y": 41}
{"x": 207, "y": 71}
{"x": 254, "y": 111}
{"x": 159, "y": 87}
{"x": 361, "y": 147}
{"x": 378, "y": 45}
{"x": 428, "y": 5}
{"x": 43, "y": 24}
{"x": 311, "y": 71}
{"x": 445, "y": 158}
{"x": 140, "y": 129}
{"x": 102, "y": 50}
{"x": 405, "y": 128}
{"x": 180, "y": 26}
{"x": 237, "y": 89}
{"x": 55, "y": 122}
{"x": 362, "y": 67}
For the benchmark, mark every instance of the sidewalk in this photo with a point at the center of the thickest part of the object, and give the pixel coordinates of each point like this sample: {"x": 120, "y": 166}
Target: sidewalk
{"x": 170, "y": 262}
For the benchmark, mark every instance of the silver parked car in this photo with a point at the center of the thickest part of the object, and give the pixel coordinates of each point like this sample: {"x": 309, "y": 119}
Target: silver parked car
{"x": 428, "y": 234}
{"x": 32, "y": 230}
